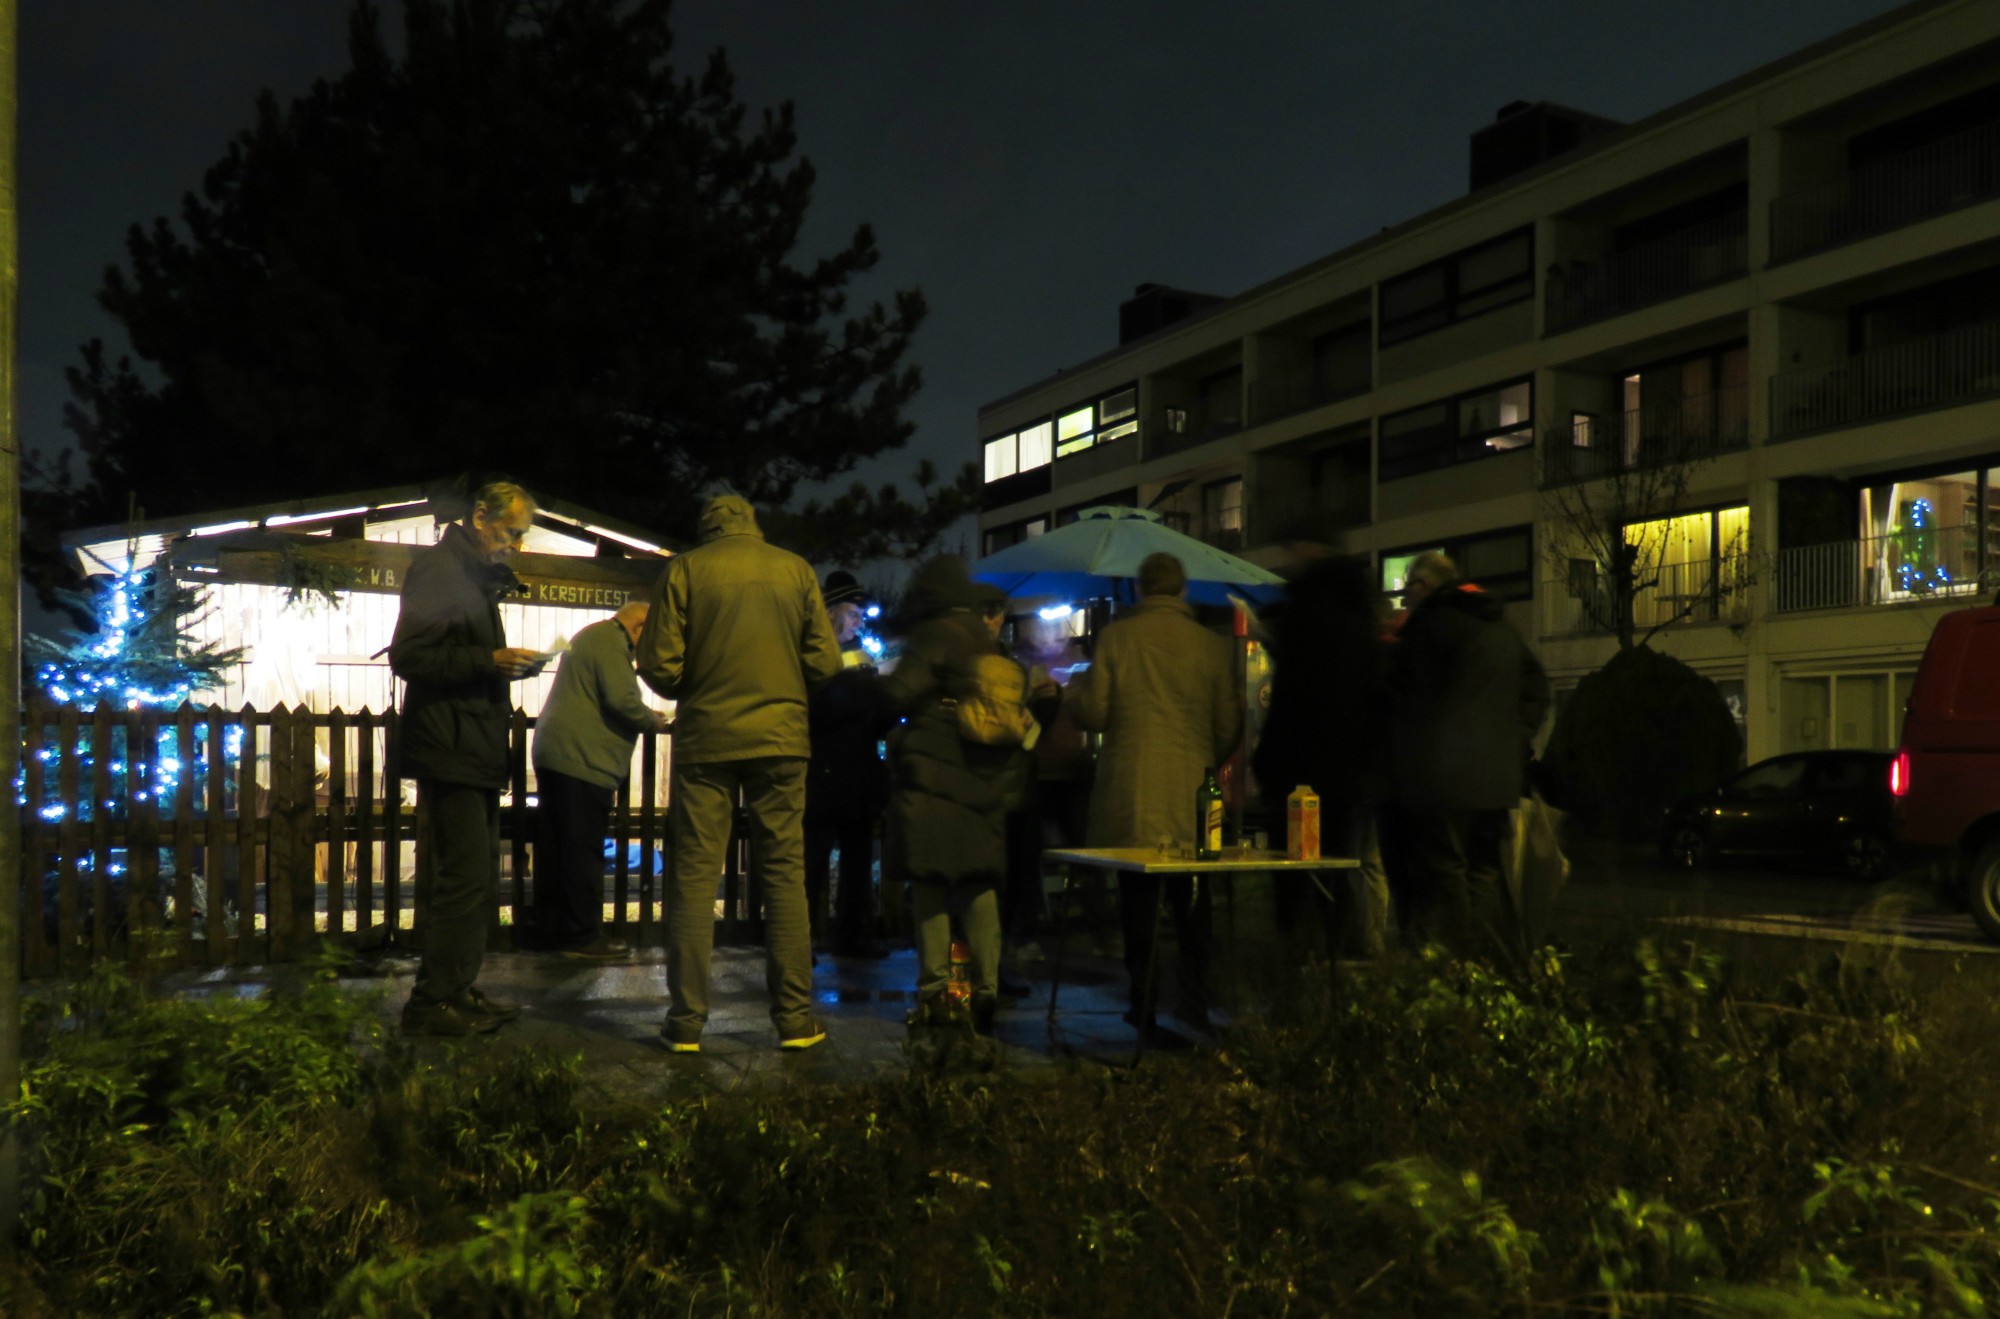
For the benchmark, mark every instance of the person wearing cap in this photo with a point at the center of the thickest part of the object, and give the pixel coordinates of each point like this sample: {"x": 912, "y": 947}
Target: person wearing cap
{"x": 847, "y": 784}
{"x": 738, "y": 637}
{"x": 583, "y": 745}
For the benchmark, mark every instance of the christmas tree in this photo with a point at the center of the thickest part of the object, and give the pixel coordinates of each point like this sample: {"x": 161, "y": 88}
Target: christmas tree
{"x": 140, "y": 653}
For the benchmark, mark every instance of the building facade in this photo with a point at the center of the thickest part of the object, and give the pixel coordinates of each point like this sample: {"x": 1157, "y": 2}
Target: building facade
{"x": 1783, "y": 294}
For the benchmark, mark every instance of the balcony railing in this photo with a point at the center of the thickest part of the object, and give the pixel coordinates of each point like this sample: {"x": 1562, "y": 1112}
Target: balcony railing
{"x": 1905, "y": 568}
{"x": 1708, "y": 253}
{"x": 1942, "y": 176}
{"x": 1687, "y": 430}
{"x": 1956, "y": 367}
{"x": 1170, "y": 430}
{"x": 1286, "y": 393}
{"x": 1330, "y": 507}
{"x": 1706, "y": 590}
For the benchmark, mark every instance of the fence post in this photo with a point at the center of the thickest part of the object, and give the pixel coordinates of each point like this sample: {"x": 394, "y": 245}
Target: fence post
{"x": 280, "y": 851}
{"x": 392, "y": 825}
{"x": 336, "y": 825}
{"x": 142, "y": 836}
{"x": 248, "y": 807}
{"x": 518, "y": 819}
{"x": 184, "y": 833}
{"x": 37, "y": 957}
{"x": 215, "y": 843}
{"x": 69, "y": 837}
{"x": 100, "y": 830}
{"x": 364, "y": 828}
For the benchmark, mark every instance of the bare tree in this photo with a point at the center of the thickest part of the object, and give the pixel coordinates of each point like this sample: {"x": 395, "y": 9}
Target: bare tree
{"x": 1608, "y": 507}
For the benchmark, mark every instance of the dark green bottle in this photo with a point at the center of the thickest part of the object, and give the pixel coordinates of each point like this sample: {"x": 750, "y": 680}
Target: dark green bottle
{"x": 1208, "y": 818}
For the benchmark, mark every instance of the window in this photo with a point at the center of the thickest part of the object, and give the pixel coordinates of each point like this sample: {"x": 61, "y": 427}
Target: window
{"x": 1035, "y": 451}
{"x": 1013, "y": 533}
{"x": 1502, "y": 563}
{"x": 1112, "y": 417}
{"x": 1024, "y": 451}
{"x": 1341, "y": 366}
{"x": 1222, "y": 513}
{"x": 1001, "y": 458}
{"x": 1691, "y": 567}
{"x": 1458, "y": 288}
{"x": 1774, "y": 778}
{"x": 1222, "y": 399}
{"x": 1458, "y": 430}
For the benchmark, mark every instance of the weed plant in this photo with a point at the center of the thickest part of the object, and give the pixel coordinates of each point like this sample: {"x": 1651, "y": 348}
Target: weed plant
{"x": 1651, "y": 1133}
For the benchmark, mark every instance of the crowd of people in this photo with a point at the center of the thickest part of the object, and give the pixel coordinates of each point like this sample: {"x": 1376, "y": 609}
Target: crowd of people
{"x": 1414, "y": 727}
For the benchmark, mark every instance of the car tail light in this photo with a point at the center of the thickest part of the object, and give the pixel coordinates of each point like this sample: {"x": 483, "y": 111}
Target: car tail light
{"x": 1899, "y": 775}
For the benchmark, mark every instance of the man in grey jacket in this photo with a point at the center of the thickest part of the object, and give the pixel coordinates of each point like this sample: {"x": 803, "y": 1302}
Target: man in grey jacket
{"x": 738, "y": 636}
{"x": 583, "y": 752}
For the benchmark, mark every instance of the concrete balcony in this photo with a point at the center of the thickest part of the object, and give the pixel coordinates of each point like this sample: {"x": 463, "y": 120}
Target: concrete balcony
{"x": 1916, "y": 566}
{"x": 1708, "y": 253}
{"x": 1961, "y": 366}
{"x": 1942, "y": 176}
{"x": 1691, "y": 429}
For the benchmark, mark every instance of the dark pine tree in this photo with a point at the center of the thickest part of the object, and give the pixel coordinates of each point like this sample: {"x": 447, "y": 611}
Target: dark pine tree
{"x": 527, "y": 245}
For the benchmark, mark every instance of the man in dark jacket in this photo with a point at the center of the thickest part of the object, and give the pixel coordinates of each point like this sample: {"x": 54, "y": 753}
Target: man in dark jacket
{"x": 1324, "y": 728}
{"x": 1467, "y": 699}
{"x": 583, "y": 753}
{"x": 847, "y": 785}
{"x": 738, "y": 637}
{"x": 451, "y": 650}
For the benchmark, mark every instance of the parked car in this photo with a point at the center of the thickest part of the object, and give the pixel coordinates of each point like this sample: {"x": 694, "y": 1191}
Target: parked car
{"x": 1821, "y": 808}
{"x": 1945, "y": 780}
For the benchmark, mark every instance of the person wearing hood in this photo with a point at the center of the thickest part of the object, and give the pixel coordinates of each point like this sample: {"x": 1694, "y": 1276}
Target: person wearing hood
{"x": 847, "y": 785}
{"x": 950, "y": 797}
{"x": 451, "y": 652}
{"x": 738, "y": 638}
{"x": 1467, "y": 697}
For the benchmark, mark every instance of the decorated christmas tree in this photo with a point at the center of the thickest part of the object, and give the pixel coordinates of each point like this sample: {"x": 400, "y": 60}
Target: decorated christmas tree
{"x": 140, "y": 653}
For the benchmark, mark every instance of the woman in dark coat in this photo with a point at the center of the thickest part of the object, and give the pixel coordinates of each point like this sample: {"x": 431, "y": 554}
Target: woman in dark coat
{"x": 948, "y": 808}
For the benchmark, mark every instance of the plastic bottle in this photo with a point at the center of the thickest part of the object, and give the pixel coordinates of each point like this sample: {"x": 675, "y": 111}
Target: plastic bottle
{"x": 1302, "y": 824}
{"x": 1208, "y": 818}
{"x": 958, "y": 989}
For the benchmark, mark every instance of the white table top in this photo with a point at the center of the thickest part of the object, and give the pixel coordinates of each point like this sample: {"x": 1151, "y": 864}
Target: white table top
{"x": 1148, "y": 861}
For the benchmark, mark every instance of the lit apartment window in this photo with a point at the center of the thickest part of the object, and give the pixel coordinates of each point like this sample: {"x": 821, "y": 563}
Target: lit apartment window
{"x": 1035, "y": 447}
{"x": 1074, "y": 433}
{"x": 1222, "y": 513}
{"x": 1458, "y": 430}
{"x": 1461, "y": 286}
{"x": 1002, "y": 458}
{"x": 1117, "y": 407}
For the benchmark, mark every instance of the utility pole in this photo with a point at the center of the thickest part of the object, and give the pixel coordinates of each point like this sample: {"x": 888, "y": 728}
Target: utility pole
{"x": 10, "y": 630}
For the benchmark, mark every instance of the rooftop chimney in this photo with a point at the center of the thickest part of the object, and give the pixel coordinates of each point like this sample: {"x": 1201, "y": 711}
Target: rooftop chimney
{"x": 1526, "y": 133}
{"x": 1152, "y": 306}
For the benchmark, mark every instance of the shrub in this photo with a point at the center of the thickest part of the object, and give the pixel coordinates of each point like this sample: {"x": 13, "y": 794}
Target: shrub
{"x": 1636, "y": 736}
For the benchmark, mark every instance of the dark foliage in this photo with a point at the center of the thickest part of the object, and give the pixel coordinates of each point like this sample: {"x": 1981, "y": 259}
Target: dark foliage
{"x": 528, "y": 245}
{"x": 1639, "y": 734}
{"x": 1653, "y": 1134}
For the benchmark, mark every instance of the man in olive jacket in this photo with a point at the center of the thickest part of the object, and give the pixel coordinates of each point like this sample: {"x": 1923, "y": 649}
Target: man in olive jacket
{"x": 451, "y": 651}
{"x": 738, "y": 637}
{"x": 1161, "y": 687}
{"x": 583, "y": 754}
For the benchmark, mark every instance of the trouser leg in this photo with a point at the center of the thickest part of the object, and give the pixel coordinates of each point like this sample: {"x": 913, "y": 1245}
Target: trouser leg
{"x": 774, "y": 789}
{"x": 1493, "y": 922}
{"x": 1139, "y": 912}
{"x": 703, "y": 799}
{"x": 569, "y": 875}
{"x": 978, "y": 905}
{"x": 1192, "y": 904}
{"x": 854, "y": 899}
{"x": 465, "y": 866}
{"x": 930, "y": 910}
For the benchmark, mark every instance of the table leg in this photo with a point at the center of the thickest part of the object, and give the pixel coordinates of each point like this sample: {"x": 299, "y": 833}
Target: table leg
{"x": 1143, "y": 1004}
{"x": 1062, "y": 942}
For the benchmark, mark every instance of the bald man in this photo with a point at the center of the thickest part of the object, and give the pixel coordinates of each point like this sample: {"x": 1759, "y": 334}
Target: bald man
{"x": 583, "y": 752}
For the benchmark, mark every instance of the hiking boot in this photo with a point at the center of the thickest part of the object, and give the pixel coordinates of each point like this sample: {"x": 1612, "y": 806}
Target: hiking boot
{"x": 445, "y": 1021}
{"x": 675, "y": 1044}
{"x": 474, "y": 1002}
{"x": 802, "y": 1036}
{"x": 601, "y": 949}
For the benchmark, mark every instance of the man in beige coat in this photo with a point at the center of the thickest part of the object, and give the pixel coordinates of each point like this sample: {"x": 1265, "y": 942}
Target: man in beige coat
{"x": 1161, "y": 689}
{"x": 737, "y": 636}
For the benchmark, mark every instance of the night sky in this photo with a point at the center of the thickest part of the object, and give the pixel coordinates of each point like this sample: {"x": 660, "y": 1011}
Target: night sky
{"x": 1024, "y": 164}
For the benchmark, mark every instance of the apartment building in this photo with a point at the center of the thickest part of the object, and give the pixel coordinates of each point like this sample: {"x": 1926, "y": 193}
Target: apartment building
{"x": 1786, "y": 288}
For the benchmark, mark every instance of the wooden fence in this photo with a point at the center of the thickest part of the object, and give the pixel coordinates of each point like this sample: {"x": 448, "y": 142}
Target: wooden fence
{"x": 206, "y": 837}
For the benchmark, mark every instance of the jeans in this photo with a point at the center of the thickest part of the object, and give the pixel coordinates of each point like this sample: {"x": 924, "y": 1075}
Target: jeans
{"x": 704, "y": 799}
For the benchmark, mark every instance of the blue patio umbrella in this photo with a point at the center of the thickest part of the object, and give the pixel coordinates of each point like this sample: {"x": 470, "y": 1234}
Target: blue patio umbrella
{"x": 1092, "y": 556}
